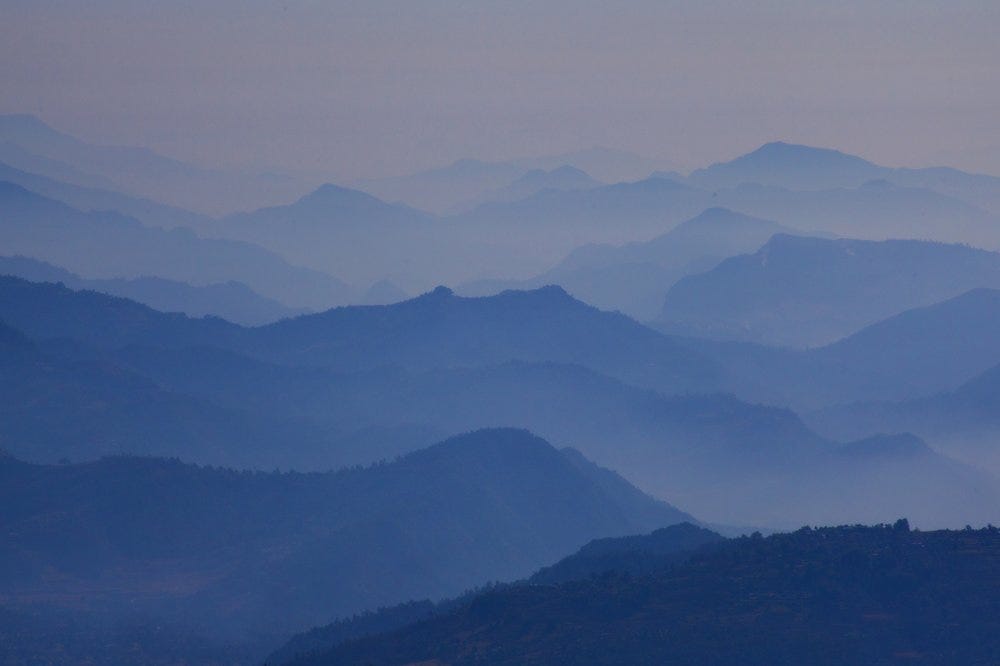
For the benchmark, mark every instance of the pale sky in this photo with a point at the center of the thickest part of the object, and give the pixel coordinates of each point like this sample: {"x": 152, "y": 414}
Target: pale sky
{"x": 360, "y": 89}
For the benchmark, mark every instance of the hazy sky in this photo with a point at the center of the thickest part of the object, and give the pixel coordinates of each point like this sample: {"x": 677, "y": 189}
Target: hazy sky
{"x": 368, "y": 88}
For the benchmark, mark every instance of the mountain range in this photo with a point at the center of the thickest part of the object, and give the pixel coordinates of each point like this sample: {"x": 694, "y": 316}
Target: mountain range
{"x": 324, "y": 384}
{"x": 798, "y": 167}
{"x": 108, "y": 245}
{"x": 28, "y": 144}
{"x": 635, "y": 277}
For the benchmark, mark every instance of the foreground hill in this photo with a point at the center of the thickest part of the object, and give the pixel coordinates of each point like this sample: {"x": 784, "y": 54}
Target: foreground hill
{"x": 271, "y": 552}
{"x": 805, "y": 292}
{"x": 827, "y": 596}
{"x": 630, "y": 555}
{"x": 109, "y": 245}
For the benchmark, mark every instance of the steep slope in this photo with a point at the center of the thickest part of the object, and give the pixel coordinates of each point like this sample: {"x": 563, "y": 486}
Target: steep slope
{"x": 232, "y": 301}
{"x": 810, "y": 291}
{"x": 109, "y": 245}
{"x": 827, "y": 596}
{"x": 266, "y": 553}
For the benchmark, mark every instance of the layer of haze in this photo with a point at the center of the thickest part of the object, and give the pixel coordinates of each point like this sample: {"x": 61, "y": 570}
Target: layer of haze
{"x": 363, "y": 89}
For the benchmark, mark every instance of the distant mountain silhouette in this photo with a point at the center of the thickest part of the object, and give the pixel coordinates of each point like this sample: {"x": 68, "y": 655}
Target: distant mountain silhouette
{"x": 609, "y": 165}
{"x": 337, "y": 229}
{"x": 634, "y": 278}
{"x": 965, "y": 422}
{"x": 443, "y": 189}
{"x": 564, "y": 177}
{"x": 28, "y": 143}
{"x": 109, "y": 245}
{"x": 799, "y": 167}
{"x": 448, "y": 189}
{"x": 823, "y": 596}
{"x": 874, "y": 210}
{"x": 263, "y": 554}
{"x": 383, "y": 292}
{"x": 528, "y": 237}
{"x": 791, "y": 166}
{"x": 810, "y": 291}
{"x": 147, "y": 211}
{"x": 232, "y": 301}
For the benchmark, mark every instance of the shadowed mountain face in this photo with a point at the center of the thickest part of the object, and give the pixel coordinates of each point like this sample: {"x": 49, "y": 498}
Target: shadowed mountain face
{"x": 269, "y": 552}
{"x": 106, "y": 245}
{"x": 232, "y": 301}
{"x": 826, "y": 596}
{"x": 634, "y": 278}
{"x": 810, "y": 291}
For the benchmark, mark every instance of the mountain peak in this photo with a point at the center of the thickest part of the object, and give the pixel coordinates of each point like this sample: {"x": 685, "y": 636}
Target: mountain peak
{"x": 790, "y": 165}
{"x": 328, "y": 192}
{"x": 439, "y": 292}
